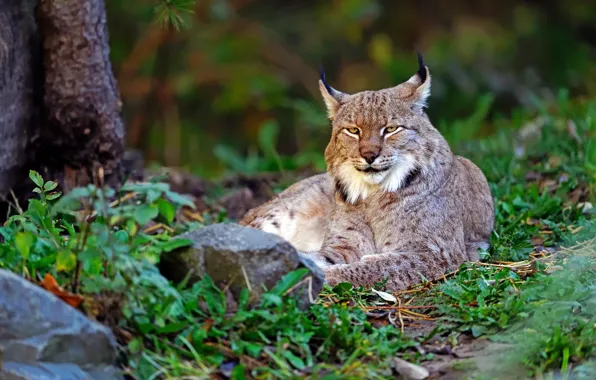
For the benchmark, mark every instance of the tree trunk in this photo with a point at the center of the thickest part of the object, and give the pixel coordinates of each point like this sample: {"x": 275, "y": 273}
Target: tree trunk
{"x": 59, "y": 99}
{"x": 83, "y": 132}
{"x": 20, "y": 88}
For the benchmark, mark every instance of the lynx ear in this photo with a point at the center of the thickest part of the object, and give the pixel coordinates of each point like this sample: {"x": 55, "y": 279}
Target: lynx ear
{"x": 417, "y": 89}
{"x": 331, "y": 96}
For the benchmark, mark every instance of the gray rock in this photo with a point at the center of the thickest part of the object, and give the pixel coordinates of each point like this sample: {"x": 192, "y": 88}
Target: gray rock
{"x": 42, "y": 337}
{"x": 308, "y": 262}
{"x": 237, "y": 257}
{"x": 55, "y": 371}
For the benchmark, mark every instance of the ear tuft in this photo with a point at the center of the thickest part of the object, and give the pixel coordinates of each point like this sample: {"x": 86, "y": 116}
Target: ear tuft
{"x": 331, "y": 96}
{"x": 421, "y": 68}
{"x": 422, "y": 90}
{"x": 415, "y": 90}
{"x": 327, "y": 87}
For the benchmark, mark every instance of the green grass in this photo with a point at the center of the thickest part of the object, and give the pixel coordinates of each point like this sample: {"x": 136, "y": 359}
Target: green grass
{"x": 170, "y": 332}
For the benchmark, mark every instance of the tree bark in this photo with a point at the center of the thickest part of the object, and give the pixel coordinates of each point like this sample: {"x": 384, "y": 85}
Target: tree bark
{"x": 20, "y": 88}
{"x": 59, "y": 99}
{"x": 83, "y": 131}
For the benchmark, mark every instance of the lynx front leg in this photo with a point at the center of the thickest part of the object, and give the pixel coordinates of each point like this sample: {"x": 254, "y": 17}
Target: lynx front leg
{"x": 402, "y": 269}
{"x": 348, "y": 237}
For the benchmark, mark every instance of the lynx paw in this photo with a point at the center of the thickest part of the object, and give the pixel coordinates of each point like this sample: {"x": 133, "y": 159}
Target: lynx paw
{"x": 332, "y": 257}
{"x": 333, "y": 274}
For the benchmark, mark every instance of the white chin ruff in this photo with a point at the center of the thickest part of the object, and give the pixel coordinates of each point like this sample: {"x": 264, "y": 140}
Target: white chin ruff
{"x": 359, "y": 185}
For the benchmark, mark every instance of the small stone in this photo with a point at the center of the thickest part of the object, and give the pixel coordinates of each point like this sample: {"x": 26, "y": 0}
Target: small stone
{"x": 227, "y": 368}
{"x": 238, "y": 257}
{"x": 409, "y": 370}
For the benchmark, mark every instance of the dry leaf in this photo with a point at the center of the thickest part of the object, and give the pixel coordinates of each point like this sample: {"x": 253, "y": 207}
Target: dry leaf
{"x": 580, "y": 193}
{"x": 547, "y": 184}
{"x": 386, "y": 296}
{"x": 50, "y": 284}
{"x": 575, "y": 230}
{"x": 73, "y": 300}
{"x": 585, "y": 206}
{"x": 410, "y": 370}
{"x": 537, "y": 241}
{"x": 553, "y": 162}
{"x": 532, "y": 222}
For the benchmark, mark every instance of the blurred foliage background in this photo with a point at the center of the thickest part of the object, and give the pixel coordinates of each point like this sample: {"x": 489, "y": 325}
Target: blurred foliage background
{"x": 233, "y": 86}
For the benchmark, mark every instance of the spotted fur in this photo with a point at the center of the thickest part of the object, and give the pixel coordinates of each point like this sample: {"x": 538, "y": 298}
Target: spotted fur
{"x": 395, "y": 202}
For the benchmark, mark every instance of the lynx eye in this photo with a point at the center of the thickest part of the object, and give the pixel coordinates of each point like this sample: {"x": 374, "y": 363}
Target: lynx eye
{"x": 392, "y": 129}
{"x": 353, "y": 131}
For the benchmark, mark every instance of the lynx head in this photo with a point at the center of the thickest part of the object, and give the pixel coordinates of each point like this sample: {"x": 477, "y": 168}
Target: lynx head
{"x": 380, "y": 139}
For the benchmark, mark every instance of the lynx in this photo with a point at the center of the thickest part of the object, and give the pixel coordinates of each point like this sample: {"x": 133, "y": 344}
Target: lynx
{"x": 395, "y": 204}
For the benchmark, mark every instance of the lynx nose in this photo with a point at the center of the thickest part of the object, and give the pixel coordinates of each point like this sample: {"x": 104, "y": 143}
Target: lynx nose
{"x": 369, "y": 157}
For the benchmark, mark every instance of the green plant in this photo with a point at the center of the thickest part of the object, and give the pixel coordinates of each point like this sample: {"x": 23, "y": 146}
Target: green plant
{"x": 275, "y": 339}
{"x": 98, "y": 243}
{"x": 266, "y": 158}
{"x": 91, "y": 245}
